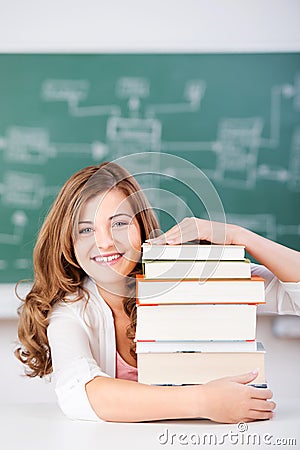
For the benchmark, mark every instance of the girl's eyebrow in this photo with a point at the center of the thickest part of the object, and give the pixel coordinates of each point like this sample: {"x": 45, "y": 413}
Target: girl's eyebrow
{"x": 85, "y": 221}
{"x": 110, "y": 218}
{"x": 120, "y": 214}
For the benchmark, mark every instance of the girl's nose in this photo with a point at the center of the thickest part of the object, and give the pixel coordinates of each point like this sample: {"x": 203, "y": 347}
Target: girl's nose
{"x": 104, "y": 239}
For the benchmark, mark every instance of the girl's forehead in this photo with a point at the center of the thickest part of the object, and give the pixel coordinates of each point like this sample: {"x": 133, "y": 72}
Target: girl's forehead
{"x": 110, "y": 202}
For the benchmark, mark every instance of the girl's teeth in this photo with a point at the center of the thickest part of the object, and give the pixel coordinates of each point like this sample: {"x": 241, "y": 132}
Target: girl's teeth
{"x": 107, "y": 258}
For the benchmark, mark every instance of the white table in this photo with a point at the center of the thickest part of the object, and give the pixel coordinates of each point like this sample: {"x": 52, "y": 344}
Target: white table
{"x": 44, "y": 427}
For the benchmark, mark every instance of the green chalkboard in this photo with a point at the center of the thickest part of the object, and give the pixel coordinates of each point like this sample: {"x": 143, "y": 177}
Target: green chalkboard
{"x": 235, "y": 116}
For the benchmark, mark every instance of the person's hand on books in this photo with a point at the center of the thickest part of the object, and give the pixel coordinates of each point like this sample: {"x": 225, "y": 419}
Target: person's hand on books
{"x": 282, "y": 261}
{"x": 194, "y": 229}
{"x": 231, "y": 400}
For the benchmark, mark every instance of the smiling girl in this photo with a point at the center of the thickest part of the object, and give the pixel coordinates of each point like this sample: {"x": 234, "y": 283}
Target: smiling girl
{"x": 78, "y": 321}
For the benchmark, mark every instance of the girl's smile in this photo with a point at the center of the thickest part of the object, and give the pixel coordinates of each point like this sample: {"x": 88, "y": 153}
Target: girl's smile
{"x": 109, "y": 259}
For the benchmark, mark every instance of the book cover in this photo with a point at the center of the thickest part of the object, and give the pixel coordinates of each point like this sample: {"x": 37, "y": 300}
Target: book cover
{"x": 193, "y": 252}
{"x": 196, "y": 322}
{"x": 198, "y": 367}
{"x": 189, "y": 291}
{"x": 181, "y": 269}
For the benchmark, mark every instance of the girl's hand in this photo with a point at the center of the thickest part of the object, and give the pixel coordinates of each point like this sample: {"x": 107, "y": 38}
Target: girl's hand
{"x": 191, "y": 228}
{"x": 228, "y": 400}
{"x": 282, "y": 261}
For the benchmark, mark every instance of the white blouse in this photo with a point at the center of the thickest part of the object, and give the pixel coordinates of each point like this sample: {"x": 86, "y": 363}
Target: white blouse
{"x": 82, "y": 340}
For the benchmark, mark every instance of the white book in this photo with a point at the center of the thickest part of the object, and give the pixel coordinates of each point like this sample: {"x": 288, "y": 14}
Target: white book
{"x": 180, "y": 269}
{"x": 193, "y": 252}
{"x": 166, "y": 291}
{"x": 196, "y": 322}
{"x": 199, "y": 367}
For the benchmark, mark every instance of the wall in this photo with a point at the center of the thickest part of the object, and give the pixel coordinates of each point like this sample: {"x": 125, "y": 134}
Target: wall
{"x": 156, "y": 26}
{"x": 115, "y": 25}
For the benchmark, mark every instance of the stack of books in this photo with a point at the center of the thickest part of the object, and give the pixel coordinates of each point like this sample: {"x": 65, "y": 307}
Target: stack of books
{"x": 196, "y": 315}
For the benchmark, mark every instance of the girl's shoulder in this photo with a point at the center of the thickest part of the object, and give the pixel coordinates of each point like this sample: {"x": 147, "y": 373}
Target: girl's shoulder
{"x": 81, "y": 305}
{"x": 73, "y": 302}
{"x": 73, "y": 305}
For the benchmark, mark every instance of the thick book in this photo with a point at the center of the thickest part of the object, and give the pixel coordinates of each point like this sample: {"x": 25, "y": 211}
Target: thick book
{"x": 199, "y": 367}
{"x": 193, "y": 252}
{"x": 159, "y": 269}
{"x": 166, "y": 291}
{"x": 196, "y": 322}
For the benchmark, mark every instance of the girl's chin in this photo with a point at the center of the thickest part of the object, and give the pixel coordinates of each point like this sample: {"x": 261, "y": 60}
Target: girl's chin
{"x": 110, "y": 277}
{"x": 105, "y": 274}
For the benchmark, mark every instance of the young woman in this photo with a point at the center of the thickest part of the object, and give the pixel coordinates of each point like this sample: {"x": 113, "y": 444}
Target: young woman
{"x": 78, "y": 320}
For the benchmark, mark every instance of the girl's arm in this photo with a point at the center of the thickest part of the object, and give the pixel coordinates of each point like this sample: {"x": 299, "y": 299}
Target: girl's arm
{"x": 282, "y": 261}
{"x": 226, "y": 400}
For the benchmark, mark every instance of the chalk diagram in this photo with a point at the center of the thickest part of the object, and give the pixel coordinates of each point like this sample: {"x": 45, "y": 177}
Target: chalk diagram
{"x": 236, "y": 148}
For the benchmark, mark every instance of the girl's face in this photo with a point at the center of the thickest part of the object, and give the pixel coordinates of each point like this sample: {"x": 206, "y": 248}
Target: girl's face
{"x": 108, "y": 242}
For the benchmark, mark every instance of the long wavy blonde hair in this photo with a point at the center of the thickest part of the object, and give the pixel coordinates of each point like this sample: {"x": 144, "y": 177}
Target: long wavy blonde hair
{"x": 57, "y": 274}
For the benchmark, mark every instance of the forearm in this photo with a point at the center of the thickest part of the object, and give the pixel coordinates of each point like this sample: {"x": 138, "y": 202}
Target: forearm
{"x": 282, "y": 261}
{"x": 118, "y": 400}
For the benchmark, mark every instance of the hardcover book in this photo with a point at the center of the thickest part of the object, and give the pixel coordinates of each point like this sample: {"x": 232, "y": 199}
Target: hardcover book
{"x": 193, "y": 252}
{"x": 196, "y": 322}
{"x": 166, "y": 291}
{"x": 181, "y": 269}
{"x": 199, "y": 367}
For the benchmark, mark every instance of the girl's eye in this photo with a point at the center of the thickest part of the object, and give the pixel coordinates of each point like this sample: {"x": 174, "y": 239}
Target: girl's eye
{"x": 86, "y": 230}
{"x": 119, "y": 224}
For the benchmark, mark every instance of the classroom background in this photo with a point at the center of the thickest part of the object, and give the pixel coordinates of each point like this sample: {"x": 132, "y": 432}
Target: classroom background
{"x": 82, "y": 82}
